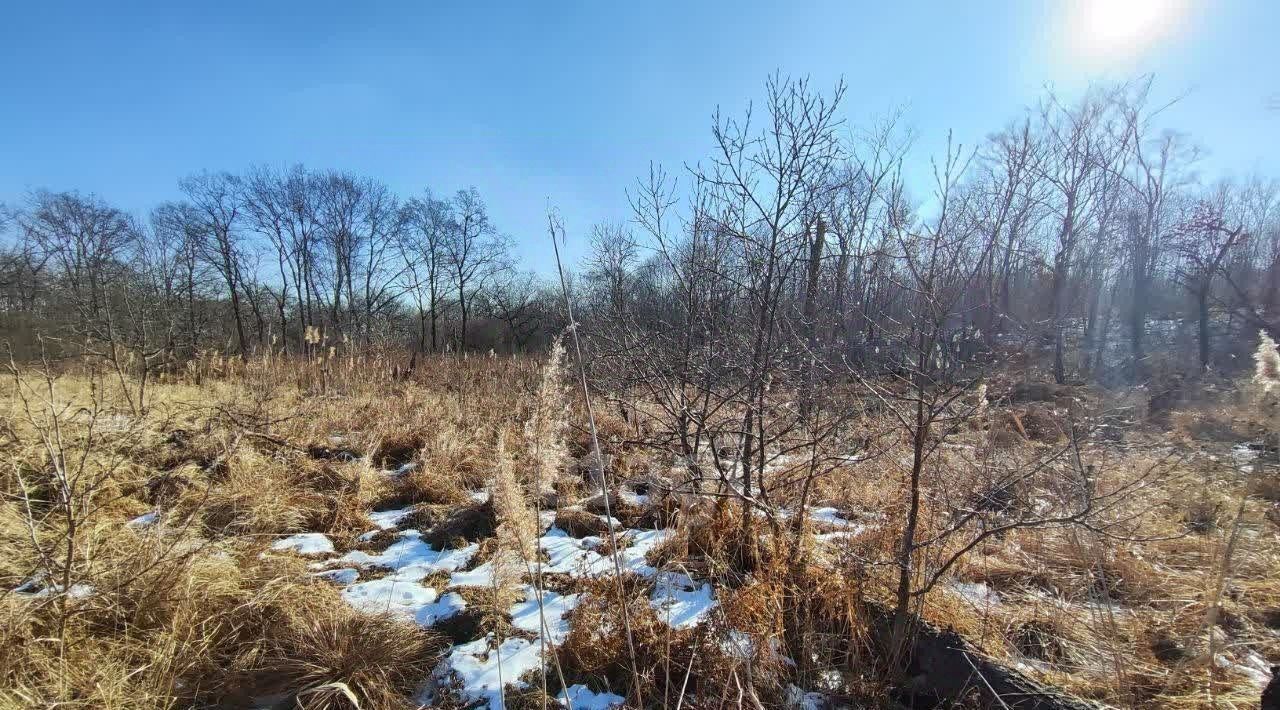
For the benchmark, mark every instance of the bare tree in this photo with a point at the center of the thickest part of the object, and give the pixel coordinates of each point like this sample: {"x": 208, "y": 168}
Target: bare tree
{"x": 1081, "y": 148}
{"x": 474, "y": 250}
{"x": 613, "y": 257}
{"x": 217, "y": 201}
{"x": 1204, "y": 239}
{"x": 428, "y": 222}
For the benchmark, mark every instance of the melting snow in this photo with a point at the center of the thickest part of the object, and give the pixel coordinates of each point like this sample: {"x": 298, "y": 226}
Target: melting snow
{"x": 475, "y": 666}
{"x": 976, "y": 593}
{"x": 578, "y": 558}
{"x": 555, "y": 607}
{"x": 680, "y": 602}
{"x": 635, "y": 500}
{"x": 389, "y": 595}
{"x": 481, "y": 576}
{"x": 447, "y": 606}
{"x": 413, "y": 559}
{"x": 798, "y": 699}
{"x": 145, "y": 520}
{"x": 567, "y": 555}
{"x": 305, "y": 544}
{"x": 343, "y": 576}
{"x": 403, "y": 469}
{"x": 36, "y": 587}
{"x": 830, "y": 516}
{"x": 580, "y": 697}
{"x": 387, "y": 519}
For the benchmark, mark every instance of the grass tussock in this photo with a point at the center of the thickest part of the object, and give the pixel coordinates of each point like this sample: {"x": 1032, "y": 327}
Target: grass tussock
{"x": 186, "y": 610}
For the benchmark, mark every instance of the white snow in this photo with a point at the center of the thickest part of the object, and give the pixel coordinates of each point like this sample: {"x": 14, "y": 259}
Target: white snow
{"x": 412, "y": 559}
{"x": 398, "y": 597}
{"x": 830, "y": 516}
{"x": 580, "y": 697}
{"x": 639, "y": 544}
{"x": 680, "y": 601}
{"x": 305, "y": 544}
{"x": 555, "y": 607}
{"x": 633, "y": 499}
{"x": 36, "y": 587}
{"x": 388, "y": 519}
{"x": 1254, "y": 667}
{"x": 80, "y": 591}
{"x": 578, "y": 558}
{"x": 798, "y": 699}
{"x": 481, "y": 576}
{"x": 145, "y": 520}
{"x": 571, "y": 556}
{"x": 343, "y": 576}
{"x": 445, "y": 607}
{"x": 475, "y": 666}
{"x": 976, "y": 593}
{"x": 737, "y": 644}
{"x": 841, "y": 535}
{"x": 403, "y": 469}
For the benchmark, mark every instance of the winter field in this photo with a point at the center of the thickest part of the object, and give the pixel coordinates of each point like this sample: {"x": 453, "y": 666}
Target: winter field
{"x": 334, "y": 532}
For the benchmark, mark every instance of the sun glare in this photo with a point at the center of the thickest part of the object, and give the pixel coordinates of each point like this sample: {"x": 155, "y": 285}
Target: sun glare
{"x": 1106, "y": 31}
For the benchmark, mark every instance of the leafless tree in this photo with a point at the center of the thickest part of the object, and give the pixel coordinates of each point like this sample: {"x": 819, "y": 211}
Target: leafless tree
{"x": 474, "y": 250}
{"x": 217, "y": 201}
{"x": 427, "y": 225}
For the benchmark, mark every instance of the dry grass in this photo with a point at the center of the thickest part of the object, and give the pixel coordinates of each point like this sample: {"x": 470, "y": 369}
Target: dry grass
{"x": 190, "y": 613}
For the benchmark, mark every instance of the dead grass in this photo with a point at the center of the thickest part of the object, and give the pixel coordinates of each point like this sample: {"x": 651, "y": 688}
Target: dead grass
{"x": 189, "y": 614}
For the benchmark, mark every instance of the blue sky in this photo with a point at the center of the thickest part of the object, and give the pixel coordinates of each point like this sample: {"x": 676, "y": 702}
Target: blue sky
{"x": 567, "y": 102}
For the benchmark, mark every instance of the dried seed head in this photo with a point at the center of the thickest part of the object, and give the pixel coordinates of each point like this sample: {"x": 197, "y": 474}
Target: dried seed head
{"x": 1266, "y": 363}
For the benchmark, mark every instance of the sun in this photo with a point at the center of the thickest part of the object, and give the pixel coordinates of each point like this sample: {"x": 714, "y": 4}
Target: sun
{"x": 1110, "y": 31}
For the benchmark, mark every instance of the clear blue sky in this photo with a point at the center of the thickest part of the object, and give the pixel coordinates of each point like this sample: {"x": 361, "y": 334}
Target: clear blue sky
{"x": 567, "y": 101}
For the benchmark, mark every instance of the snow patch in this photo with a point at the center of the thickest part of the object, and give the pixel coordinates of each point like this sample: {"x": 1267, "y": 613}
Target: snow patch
{"x": 481, "y": 670}
{"x": 976, "y": 593}
{"x": 388, "y": 519}
{"x": 680, "y": 601}
{"x": 446, "y": 607}
{"x": 145, "y": 520}
{"x": 797, "y": 699}
{"x": 580, "y": 697}
{"x": 305, "y": 544}
{"x": 633, "y": 499}
{"x": 343, "y": 576}
{"x": 412, "y": 559}
{"x": 481, "y": 576}
{"x": 398, "y": 597}
{"x": 555, "y": 607}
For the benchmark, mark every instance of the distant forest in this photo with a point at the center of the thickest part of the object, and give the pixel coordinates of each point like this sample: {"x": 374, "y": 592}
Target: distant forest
{"x": 1081, "y": 228}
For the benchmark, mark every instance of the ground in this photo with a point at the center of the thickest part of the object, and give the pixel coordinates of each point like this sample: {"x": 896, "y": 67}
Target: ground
{"x": 336, "y": 532}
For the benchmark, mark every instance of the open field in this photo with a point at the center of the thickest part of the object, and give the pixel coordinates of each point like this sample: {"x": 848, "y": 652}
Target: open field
{"x": 336, "y": 533}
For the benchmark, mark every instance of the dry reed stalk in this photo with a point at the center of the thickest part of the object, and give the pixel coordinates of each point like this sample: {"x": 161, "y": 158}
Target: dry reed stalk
{"x": 553, "y": 225}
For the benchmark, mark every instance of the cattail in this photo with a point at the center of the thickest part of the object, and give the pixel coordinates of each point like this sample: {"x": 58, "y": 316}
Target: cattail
{"x": 1266, "y": 363}
{"x": 980, "y": 408}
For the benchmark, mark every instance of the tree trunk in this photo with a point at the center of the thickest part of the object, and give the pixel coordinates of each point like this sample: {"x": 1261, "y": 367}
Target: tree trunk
{"x": 810, "y": 316}
{"x": 1202, "y": 301}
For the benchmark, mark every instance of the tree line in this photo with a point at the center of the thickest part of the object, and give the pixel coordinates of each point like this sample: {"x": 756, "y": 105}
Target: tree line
{"x": 1083, "y": 227}
{"x": 277, "y": 260}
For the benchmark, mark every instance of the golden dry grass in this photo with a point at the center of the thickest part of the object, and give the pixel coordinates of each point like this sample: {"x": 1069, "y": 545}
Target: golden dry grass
{"x": 236, "y": 455}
